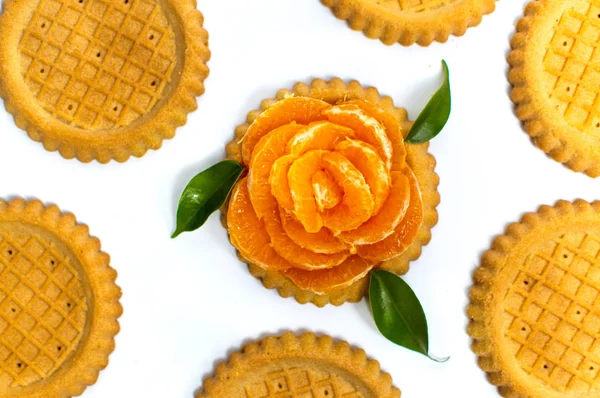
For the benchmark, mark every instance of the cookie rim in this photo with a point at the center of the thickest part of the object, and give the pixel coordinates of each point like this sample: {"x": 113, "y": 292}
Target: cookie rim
{"x": 376, "y": 23}
{"x": 480, "y": 310}
{"x": 137, "y": 138}
{"x": 400, "y": 265}
{"x": 346, "y": 357}
{"x": 546, "y": 135}
{"x": 86, "y": 362}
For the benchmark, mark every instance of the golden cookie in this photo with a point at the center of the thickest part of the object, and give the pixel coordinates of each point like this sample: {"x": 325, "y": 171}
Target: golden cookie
{"x": 59, "y": 303}
{"x": 411, "y": 21}
{"x": 556, "y": 77}
{"x": 101, "y": 79}
{"x": 421, "y": 162}
{"x": 293, "y": 366}
{"x": 535, "y": 304}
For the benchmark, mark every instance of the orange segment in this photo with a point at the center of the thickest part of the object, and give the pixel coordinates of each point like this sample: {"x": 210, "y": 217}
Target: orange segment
{"x": 320, "y": 242}
{"x": 300, "y": 180}
{"x": 366, "y": 128}
{"x": 318, "y": 135}
{"x": 325, "y": 281}
{"x": 267, "y": 151}
{"x": 392, "y": 129}
{"x": 357, "y": 204}
{"x": 367, "y": 161}
{"x": 278, "y": 180}
{"x": 298, "y": 256}
{"x": 327, "y": 193}
{"x": 383, "y": 224}
{"x": 404, "y": 234}
{"x": 302, "y": 110}
{"x": 248, "y": 233}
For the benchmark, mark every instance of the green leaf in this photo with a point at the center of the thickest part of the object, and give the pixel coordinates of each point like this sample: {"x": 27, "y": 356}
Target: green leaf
{"x": 434, "y": 116}
{"x": 398, "y": 313}
{"x": 205, "y": 194}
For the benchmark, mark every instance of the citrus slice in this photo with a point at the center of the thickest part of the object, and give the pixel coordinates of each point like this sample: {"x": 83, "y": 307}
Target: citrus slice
{"x": 295, "y": 254}
{"x": 318, "y": 135}
{"x": 365, "y": 158}
{"x": 327, "y": 280}
{"x": 248, "y": 234}
{"x": 393, "y": 131}
{"x": 366, "y": 128}
{"x": 278, "y": 180}
{"x": 383, "y": 224}
{"x": 327, "y": 192}
{"x": 300, "y": 180}
{"x": 404, "y": 234}
{"x": 302, "y": 110}
{"x": 321, "y": 242}
{"x": 267, "y": 151}
{"x": 357, "y": 204}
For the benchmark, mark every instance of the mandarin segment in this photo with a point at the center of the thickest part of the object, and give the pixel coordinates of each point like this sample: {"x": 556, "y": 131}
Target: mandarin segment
{"x": 327, "y": 192}
{"x": 248, "y": 234}
{"x": 357, "y": 204}
{"x": 278, "y": 180}
{"x": 321, "y": 242}
{"x": 318, "y": 135}
{"x": 270, "y": 148}
{"x": 366, "y": 128}
{"x": 383, "y": 224}
{"x": 302, "y": 110}
{"x": 327, "y": 280}
{"x": 298, "y": 256}
{"x": 404, "y": 234}
{"x": 364, "y": 157}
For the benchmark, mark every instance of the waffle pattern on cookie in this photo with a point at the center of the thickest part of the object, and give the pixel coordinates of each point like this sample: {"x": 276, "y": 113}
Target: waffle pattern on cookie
{"x": 98, "y": 64}
{"x": 301, "y": 382}
{"x": 552, "y": 313}
{"x": 43, "y": 306}
{"x": 573, "y": 68}
{"x": 415, "y": 5}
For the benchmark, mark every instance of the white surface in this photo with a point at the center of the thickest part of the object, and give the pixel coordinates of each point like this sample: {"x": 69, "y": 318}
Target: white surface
{"x": 189, "y": 302}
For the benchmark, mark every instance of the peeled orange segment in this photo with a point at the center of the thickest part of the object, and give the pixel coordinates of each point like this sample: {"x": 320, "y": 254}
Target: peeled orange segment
{"x": 327, "y": 192}
{"x": 318, "y": 135}
{"x": 365, "y": 158}
{"x": 366, "y": 128}
{"x": 325, "y": 281}
{"x": 248, "y": 233}
{"x": 298, "y": 256}
{"x": 267, "y": 151}
{"x": 357, "y": 204}
{"x": 300, "y": 180}
{"x": 404, "y": 234}
{"x": 383, "y": 224}
{"x": 320, "y": 242}
{"x": 392, "y": 129}
{"x": 302, "y": 110}
{"x": 278, "y": 180}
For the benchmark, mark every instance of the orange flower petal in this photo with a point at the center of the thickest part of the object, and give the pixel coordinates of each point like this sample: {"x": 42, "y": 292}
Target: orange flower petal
{"x": 300, "y": 180}
{"x": 327, "y": 192}
{"x": 318, "y": 135}
{"x": 278, "y": 180}
{"x": 321, "y": 242}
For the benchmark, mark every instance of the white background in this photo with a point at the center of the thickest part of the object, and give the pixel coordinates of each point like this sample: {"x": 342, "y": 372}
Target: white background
{"x": 189, "y": 302}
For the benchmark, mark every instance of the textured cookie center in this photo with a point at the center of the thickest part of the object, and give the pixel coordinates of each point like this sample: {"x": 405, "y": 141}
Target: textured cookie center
{"x": 293, "y": 380}
{"x": 98, "y": 64}
{"x": 43, "y": 305}
{"x": 571, "y": 62}
{"x": 414, "y": 5}
{"x": 552, "y": 313}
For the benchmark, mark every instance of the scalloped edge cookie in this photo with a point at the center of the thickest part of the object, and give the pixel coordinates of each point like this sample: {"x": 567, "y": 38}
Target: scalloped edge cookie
{"x": 378, "y": 22}
{"x": 551, "y": 134}
{"x": 308, "y": 347}
{"x": 484, "y": 295}
{"x": 422, "y": 163}
{"x": 85, "y": 364}
{"x": 135, "y": 139}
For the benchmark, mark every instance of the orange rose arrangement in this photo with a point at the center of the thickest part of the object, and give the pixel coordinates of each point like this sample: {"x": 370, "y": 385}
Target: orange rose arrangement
{"x": 328, "y": 193}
